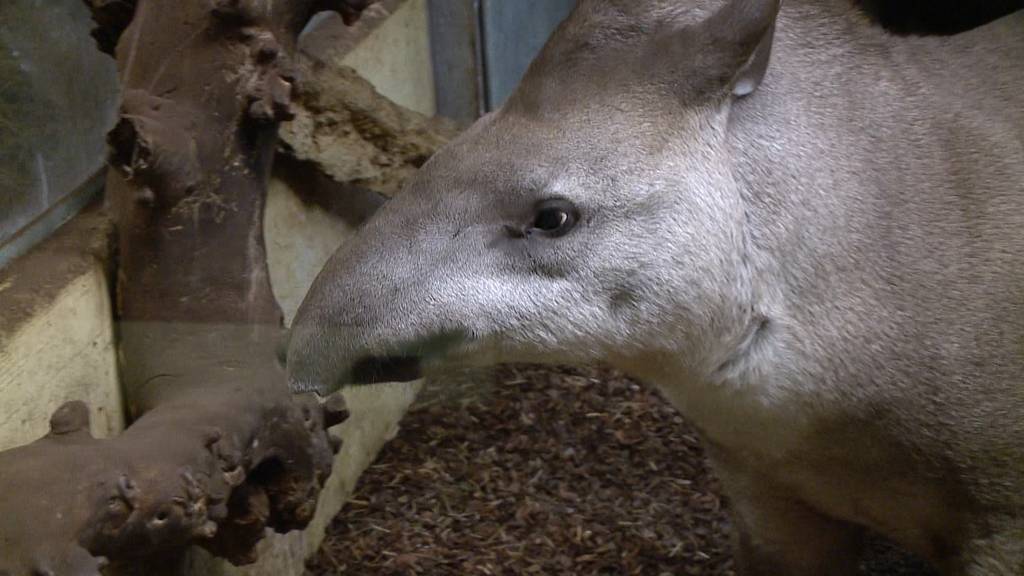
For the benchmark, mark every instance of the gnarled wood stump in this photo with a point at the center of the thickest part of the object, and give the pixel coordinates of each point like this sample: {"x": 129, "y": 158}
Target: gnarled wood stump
{"x": 219, "y": 450}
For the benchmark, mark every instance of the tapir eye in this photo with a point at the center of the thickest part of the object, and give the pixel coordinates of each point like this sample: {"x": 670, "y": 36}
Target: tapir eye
{"x": 555, "y": 217}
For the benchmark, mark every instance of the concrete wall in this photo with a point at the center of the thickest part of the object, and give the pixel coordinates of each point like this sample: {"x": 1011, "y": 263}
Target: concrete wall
{"x": 56, "y": 334}
{"x": 395, "y": 58}
{"x": 389, "y": 46}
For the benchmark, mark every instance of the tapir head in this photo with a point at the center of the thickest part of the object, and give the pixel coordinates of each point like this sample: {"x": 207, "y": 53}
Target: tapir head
{"x": 593, "y": 217}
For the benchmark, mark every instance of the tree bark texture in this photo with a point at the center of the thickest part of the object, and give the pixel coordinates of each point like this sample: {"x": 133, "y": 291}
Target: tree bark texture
{"x": 218, "y": 450}
{"x": 352, "y": 134}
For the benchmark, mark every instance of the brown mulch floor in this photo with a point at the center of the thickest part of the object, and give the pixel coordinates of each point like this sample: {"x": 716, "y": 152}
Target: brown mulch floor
{"x": 541, "y": 472}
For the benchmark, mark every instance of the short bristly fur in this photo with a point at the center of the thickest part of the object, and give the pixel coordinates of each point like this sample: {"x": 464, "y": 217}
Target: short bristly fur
{"x": 825, "y": 274}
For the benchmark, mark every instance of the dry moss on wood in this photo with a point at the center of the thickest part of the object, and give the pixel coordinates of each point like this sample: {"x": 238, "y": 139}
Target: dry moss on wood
{"x": 351, "y": 133}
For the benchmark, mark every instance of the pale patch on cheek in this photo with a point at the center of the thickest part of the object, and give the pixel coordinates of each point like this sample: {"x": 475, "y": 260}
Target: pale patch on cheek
{"x": 527, "y": 319}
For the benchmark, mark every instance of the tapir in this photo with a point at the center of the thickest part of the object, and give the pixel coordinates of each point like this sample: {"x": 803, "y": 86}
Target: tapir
{"x": 807, "y": 232}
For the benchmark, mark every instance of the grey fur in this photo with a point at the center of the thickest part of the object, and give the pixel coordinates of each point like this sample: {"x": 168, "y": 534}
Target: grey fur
{"x": 826, "y": 276}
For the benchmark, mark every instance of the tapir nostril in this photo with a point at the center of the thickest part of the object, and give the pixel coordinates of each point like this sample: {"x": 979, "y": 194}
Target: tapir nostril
{"x": 376, "y": 369}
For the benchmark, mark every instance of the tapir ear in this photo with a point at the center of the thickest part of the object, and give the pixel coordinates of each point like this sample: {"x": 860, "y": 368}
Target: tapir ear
{"x": 751, "y": 75}
{"x": 738, "y": 43}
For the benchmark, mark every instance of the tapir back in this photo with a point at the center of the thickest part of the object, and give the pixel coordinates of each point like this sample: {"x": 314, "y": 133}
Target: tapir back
{"x": 884, "y": 179}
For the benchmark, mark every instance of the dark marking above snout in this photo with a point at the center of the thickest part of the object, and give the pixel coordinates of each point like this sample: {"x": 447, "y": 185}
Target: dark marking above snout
{"x": 378, "y": 369}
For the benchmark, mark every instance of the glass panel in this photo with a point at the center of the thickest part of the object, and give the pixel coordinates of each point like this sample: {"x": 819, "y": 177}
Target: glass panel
{"x": 58, "y": 98}
{"x": 514, "y": 32}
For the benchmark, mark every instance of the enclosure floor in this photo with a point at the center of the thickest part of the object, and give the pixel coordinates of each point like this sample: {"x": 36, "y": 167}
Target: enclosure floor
{"x": 541, "y": 472}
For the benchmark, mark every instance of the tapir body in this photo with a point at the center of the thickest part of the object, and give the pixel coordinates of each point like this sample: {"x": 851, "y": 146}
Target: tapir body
{"x": 807, "y": 232}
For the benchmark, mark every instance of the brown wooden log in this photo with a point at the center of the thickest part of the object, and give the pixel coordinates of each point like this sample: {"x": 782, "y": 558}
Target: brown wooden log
{"x": 219, "y": 450}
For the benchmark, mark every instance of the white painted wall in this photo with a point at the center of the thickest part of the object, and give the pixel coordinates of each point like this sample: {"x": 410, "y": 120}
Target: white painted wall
{"x": 57, "y": 336}
{"x": 395, "y": 58}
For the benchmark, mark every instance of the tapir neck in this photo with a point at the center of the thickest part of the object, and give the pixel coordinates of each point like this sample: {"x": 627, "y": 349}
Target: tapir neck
{"x": 872, "y": 168}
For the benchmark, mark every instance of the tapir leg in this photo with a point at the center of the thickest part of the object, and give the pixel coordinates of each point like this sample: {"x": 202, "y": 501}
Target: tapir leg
{"x": 777, "y": 534}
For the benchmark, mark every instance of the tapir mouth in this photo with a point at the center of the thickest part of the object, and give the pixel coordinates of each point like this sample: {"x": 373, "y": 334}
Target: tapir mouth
{"x": 407, "y": 365}
{"x": 311, "y": 367}
{"x": 379, "y": 369}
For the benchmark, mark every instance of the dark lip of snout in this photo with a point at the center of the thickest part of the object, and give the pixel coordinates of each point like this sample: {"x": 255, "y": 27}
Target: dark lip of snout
{"x": 407, "y": 365}
{"x": 379, "y": 369}
{"x": 364, "y": 372}
{"x": 311, "y": 370}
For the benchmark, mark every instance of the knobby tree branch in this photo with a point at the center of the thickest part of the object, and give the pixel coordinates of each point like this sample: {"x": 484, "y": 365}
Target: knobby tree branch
{"x": 218, "y": 450}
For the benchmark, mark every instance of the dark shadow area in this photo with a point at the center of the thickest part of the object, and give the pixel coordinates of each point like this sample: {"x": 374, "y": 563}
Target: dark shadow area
{"x": 937, "y": 17}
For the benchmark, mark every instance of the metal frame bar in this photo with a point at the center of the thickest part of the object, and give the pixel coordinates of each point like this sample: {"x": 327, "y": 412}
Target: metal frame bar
{"x": 53, "y": 218}
{"x": 456, "y": 46}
